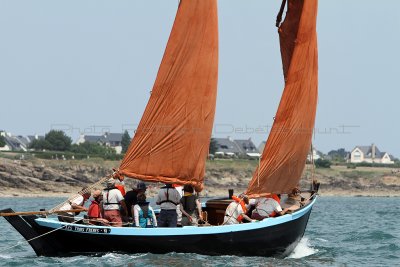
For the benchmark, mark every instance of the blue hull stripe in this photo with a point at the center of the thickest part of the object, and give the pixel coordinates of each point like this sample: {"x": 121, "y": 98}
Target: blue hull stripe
{"x": 180, "y": 231}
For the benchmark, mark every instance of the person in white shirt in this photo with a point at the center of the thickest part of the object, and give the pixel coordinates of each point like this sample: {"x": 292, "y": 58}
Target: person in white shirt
{"x": 268, "y": 207}
{"x": 74, "y": 203}
{"x": 143, "y": 213}
{"x": 112, "y": 202}
{"x": 236, "y": 211}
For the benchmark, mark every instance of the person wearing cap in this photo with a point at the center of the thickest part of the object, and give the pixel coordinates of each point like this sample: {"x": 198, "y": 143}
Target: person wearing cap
{"x": 168, "y": 198}
{"x": 95, "y": 212}
{"x": 236, "y": 211}
{"x": 74, "y": 203}
{"x": 131, "y": 196}
{"x": 112, "y": 202}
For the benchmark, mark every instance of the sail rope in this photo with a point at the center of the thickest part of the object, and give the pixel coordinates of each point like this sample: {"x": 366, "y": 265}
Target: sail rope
{"x": 36, "y": 237}
{"x": 80, "y": 193}
{"x": 52, "y": 231}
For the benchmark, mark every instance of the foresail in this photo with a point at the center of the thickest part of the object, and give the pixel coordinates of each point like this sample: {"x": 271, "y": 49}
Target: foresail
{"x": 284, "y": 156}
{"x": 172, "y": 140}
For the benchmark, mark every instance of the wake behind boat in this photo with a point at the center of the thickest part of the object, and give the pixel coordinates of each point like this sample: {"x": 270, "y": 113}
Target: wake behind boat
{"x": 171, "y": 145}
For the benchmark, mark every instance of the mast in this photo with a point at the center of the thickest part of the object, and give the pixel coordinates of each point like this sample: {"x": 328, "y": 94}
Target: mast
{"x": 172, "y": 140}
{"x": 286, "y": 149}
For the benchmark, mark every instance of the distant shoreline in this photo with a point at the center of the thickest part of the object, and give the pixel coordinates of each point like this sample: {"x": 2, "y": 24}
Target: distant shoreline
{"x": 56, "y": 178}
{"x": 322, "y": 193}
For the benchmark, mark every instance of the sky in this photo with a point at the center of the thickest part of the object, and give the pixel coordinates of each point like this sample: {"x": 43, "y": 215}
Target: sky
{"x": 87, "y": 66}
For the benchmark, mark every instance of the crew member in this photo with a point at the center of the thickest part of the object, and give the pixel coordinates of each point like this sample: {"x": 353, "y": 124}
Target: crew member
{"x": 95, "y": 212}
{"x": 268, "y": 207}
{"x": 131, "y": 197}
{"x": 112, "y": 201}
{"x": 168, "y": 198}
{"x": 236, "y": 211}
{"x": 76, "y": 202}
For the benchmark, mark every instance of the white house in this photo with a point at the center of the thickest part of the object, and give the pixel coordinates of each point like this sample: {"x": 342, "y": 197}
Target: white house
{"x": 369, "y": 154}
{"x": 107, "y": 139}
{"x": 314, "y": 156}
{"x": 17, "y": 142}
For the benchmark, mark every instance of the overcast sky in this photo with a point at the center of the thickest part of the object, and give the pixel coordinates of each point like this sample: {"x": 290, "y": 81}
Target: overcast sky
{"x": 88, "y": 66}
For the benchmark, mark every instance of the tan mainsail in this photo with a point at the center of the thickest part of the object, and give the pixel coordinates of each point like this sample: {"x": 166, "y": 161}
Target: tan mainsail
{"x": 172, "y": 140}
{"x": 288, "y": 144}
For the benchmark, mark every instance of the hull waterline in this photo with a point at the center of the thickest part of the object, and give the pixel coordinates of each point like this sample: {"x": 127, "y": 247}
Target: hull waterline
{"x": 270, "y": 237}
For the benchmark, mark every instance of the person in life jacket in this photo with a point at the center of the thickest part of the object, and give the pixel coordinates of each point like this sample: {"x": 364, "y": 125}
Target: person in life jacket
{"x": 236, "y": 211}
{"x": 268, "y": 207}
{"x": 112, "y": 202}
{"x": 131, "y": 197}
{"x": 190, "y": 207}
{"x": 119, "y": 184}
{"x": 143, "y": 213}
{"x": 95, "y": 212}
{"x": 168, "y": 198}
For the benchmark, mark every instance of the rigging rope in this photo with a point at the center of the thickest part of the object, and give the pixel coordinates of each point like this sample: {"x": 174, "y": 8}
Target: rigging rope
{"x": 80, "y": 193}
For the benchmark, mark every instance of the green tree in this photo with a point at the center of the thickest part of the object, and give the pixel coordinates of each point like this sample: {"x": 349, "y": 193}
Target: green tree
{"x": 40, "y": 144}
{"x": 213, "y": 146}
{"x": 2, "y": 141}
{"x": 126, "y": 140}
{"x": 92, "y": 149}
{"x": 322, "y": 163}
{"x": 53, "y": 140}
{"x": 58, "y": 140}
{"x": 338, "y": 155}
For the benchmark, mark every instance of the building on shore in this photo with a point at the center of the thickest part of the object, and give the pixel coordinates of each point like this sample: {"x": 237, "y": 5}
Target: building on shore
{"x": 112, "y": 140}
{"x": 239, "y": 148}
{"x": 17, "y": 142}
{"x": 369, "y": 154}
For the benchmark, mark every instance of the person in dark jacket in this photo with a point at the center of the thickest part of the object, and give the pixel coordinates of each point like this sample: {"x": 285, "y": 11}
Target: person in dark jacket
{"x": 190, "y": 207}
{"x": 131, "y": 197}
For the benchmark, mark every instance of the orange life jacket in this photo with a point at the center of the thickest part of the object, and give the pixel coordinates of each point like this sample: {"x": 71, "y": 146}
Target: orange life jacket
{"x": 241, "y": 202}
{"x": 277, "y": 199}
{"x": 121, "y": 188}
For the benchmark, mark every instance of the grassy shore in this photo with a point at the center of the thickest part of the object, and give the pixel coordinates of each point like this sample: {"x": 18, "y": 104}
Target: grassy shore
{"x": 37, "y": 177}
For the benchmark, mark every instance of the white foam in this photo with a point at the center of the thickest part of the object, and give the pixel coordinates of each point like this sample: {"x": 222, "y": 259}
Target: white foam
{"x": 303, "y": 249}
{"x": 3, "y": 256}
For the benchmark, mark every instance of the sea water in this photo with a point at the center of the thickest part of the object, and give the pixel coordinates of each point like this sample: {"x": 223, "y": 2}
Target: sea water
{"x": 342, "y": 231}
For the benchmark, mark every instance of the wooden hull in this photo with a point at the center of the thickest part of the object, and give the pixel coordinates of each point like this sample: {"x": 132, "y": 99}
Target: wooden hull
{"x": 270, "y": 237}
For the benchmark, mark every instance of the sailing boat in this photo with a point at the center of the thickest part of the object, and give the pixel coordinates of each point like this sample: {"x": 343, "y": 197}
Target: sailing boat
{"x": 171, "y": 144}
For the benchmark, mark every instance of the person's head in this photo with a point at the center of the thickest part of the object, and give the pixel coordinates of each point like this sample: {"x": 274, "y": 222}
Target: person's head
{"x": 188, "y": 188}
{"x": 111, "y": 183}
{"x": 86, "y": 193}
{"x": 141, "y": 197}
{"x": 97, "y": 194}
{"x": 168, "y": 185}
{"x": 141, "y": 186}
{"x": 245, "y": 198}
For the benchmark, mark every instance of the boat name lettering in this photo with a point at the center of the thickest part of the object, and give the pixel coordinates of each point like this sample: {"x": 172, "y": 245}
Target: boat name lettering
{"x": 88, "y": 229}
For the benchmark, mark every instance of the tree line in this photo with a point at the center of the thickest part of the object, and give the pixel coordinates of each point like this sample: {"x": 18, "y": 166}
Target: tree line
{"x": 56, "y": 140}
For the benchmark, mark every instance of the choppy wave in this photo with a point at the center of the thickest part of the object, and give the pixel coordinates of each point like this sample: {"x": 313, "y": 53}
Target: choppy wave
{"x": 335, "y": 236}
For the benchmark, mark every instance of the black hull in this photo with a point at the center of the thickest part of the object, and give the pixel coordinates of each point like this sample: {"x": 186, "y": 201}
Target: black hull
{"x": 274, "y": 240}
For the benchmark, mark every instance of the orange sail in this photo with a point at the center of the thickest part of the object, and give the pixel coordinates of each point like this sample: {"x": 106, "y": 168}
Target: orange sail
{"x": 285, "y": 153}
{"x": 172, "y": 140}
